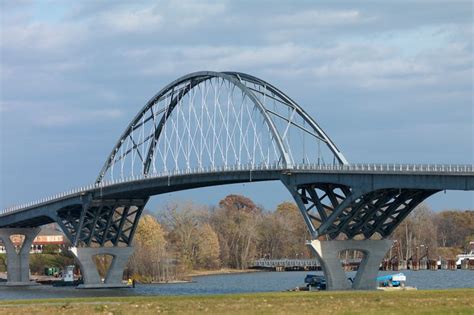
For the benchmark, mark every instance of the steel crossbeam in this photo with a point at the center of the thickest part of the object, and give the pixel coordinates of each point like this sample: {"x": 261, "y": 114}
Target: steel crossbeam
{"x": 342, "y": 210}
{"x": 102, "y": 222}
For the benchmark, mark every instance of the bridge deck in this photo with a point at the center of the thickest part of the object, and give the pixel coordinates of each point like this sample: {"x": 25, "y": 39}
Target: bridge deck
{"x": 374, "y": 176}
{"x": 230, "y": 174}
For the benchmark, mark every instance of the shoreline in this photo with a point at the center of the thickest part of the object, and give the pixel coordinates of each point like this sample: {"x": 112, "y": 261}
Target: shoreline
{"x": 188, "y": 277}
{"x": 191, "y": 274}
{"x": 222, "y": 271}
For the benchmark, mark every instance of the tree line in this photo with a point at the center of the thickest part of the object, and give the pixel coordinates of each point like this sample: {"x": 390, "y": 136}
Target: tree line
{"x": 186, "y": 237}
{"x": 425, "y": 233}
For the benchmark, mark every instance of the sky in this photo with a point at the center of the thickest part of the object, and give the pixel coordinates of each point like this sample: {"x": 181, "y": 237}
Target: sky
{"x": 389, "y": 81}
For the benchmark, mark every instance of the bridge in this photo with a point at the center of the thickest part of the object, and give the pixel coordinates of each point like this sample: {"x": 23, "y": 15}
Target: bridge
{"x": 286, "y": 264}
{"x": 217, "y": 128}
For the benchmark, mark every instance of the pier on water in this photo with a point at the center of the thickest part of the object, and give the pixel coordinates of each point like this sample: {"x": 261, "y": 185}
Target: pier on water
{"x": 426, "y": 264}
{"x": 286, "y": 264}
{"x": 299, "y": 264}
{"x": 353, "y": 264}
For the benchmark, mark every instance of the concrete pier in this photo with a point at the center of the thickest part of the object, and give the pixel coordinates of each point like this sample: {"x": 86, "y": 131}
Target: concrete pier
{"x": 90, "y": 275}
{"x": 18, "y": 261}
{"x": 328, "y": 254}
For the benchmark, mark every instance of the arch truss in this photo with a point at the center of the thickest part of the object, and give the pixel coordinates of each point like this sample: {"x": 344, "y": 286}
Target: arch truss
{"x": 218, "y": 119}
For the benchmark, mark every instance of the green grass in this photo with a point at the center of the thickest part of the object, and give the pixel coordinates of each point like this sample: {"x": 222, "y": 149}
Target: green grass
{"x": 459, "y": 301}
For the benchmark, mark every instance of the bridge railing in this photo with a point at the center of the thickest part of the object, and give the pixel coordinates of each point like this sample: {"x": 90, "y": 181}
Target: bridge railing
{"x": 429, "y": 168}
{"x": 288, "y": 263}
{"x": 349, "y": 168}
{"x": 272, "y": 263}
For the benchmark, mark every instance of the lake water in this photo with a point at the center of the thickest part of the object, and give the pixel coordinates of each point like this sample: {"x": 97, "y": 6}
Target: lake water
{"x": 236, "y": 283}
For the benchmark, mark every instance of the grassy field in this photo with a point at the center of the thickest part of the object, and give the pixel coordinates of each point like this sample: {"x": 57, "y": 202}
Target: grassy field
{"x": 373, "y": 302}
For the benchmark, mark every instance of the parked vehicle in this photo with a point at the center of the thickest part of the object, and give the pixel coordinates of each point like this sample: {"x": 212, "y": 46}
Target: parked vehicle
{"x": 315, "y": 282}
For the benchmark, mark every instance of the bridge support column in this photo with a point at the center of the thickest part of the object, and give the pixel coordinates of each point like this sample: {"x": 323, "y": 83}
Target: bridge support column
{"x": 18, "y": 261}
{"x": 327, "y": 253}
{"x": 90, "y": 275}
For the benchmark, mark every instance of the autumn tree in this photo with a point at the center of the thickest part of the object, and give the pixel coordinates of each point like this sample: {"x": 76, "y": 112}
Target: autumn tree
{"x": 456, "y": 228}
{"x": 272, "y": 236}
{"x": 150, "y": 245}
{"x": 236, "y": 220}
{"x": 194, "y": 240}
{"x": 283, "y": 233}
{"x": 208, "y": 253}
{"x": 183, "y": 224}
{"x": 295, "y": 229}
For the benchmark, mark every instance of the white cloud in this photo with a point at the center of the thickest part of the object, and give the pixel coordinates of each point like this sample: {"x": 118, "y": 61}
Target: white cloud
{"x": 363, "y": 65}
{"x": 43, "y": 114}
{"x": 94, "y": 65}
{"x": 313, "y": 18}
{"x": 191, "y": 13}
{"x": 73, "y": 117}
{"x": 145, "y": 20}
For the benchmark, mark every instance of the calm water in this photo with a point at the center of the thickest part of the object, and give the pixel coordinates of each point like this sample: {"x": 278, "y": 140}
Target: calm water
{"x": 238, "y": 283}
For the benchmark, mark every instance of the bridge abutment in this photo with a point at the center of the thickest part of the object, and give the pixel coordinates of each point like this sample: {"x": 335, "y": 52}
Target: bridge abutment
{"x": 328, "y": 252}
{"x": 113, "y": 278}
{"x": 18, "y": 261}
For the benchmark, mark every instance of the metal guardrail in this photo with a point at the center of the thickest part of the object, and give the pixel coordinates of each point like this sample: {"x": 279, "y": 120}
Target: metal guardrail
{"x": 349, "y": 168}
{"x": 288, "y": 263}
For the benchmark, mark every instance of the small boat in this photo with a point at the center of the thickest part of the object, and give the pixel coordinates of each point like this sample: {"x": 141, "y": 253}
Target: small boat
{"x": 396, "y": 280}
{"x": 68, "y": 278}
{"x": 467, "y": 256}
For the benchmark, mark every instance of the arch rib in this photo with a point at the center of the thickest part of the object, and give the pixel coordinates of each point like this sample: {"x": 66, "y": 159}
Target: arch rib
{"x": 337, "y": 153}
{"x": 199, "y": 77}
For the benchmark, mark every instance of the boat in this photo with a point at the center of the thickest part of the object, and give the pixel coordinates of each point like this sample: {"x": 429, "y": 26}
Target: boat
{"x": 396, "y": 280}
{"x": 467, "y": 256}
{"x": 68, "y": 278}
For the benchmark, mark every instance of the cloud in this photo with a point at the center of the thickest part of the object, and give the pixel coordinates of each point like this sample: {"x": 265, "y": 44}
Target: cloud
{"x": 318, "y": 18}
{"x": 365, "y": 65}
{"x": 132, "y": 21}
{"x": 135, "y": 44}
{"x": 356, "y": 67}
{"x": 40, "y": 114}
{"x": 67, "y": 118}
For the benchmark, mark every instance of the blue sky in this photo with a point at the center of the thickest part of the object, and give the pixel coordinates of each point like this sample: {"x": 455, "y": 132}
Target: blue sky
{"x": 389, "y": 82}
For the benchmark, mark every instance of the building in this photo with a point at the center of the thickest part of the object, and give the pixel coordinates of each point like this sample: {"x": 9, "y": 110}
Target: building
{"x": 49, "y": 235}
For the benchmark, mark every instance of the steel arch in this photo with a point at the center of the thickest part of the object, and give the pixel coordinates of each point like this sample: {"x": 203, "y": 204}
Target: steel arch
{"x": 237, "y": 79}
{"x": 337, "y": 153}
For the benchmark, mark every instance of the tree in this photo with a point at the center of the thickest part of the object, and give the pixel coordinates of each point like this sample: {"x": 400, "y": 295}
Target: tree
{"x": 272, "y": 236}
{"x": 150, "y": 245}
{"x": 296, "y": 230}
{"x": 416, "y": 235}
{"x": 51, "y": 249}
{"x": 192, "y": 239}
{"x": 455, "y": 227}
{"x": 208, "y": 247}
{"x": 182, "y": 222}
{"x": 283, "y": 233}
{"x": 236, "y": 220}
